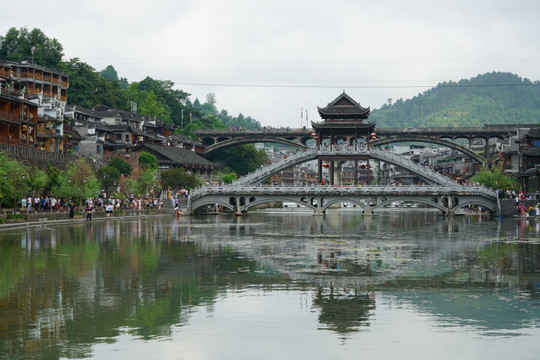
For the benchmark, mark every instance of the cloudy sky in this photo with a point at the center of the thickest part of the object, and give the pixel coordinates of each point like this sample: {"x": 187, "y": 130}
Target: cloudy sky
{"x": 275, "y": 60}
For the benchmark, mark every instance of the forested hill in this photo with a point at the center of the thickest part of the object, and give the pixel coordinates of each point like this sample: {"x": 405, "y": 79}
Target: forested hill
{"x": 491, "y": 98}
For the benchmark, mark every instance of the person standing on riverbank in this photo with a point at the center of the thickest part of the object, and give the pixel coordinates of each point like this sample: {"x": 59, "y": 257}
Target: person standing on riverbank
{"x": 71, "y": 209}
{"x": 89, "y": 211}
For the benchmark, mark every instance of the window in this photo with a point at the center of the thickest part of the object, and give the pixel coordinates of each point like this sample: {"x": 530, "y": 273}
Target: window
{"x": 536, "y": 143}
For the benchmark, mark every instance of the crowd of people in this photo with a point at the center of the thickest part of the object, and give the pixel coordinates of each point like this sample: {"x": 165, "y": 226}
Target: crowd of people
{"x": 526, "y": 204}
{"x": 53, "y": 204}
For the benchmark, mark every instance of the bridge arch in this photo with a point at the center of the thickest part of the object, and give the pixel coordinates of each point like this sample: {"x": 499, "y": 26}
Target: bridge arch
{"x": 218, "y": 202}
{"x": 333, "y": 201}
{"x": 430, "y": 140}
{"x": 263, "y": 200}
{"x": 485, "y": 204}
{"x": 413, "y": 200}
{"x": 224, "y": 144}
{"x": 311, "y": 154}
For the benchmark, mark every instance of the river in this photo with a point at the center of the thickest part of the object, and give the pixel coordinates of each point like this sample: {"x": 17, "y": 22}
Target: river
{"x": 405, "y": 284}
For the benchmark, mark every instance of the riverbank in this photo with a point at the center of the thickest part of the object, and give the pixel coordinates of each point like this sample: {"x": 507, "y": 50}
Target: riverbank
{"x": 9, "y": 220}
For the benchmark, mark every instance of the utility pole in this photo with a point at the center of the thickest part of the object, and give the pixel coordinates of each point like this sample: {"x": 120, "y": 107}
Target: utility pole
{"x": 182, "y": 122}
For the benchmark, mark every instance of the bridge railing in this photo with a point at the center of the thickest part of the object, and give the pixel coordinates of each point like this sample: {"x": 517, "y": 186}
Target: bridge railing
{"x": 308, "y": 154}
{"x": 406, "y": 163}
{"x": 373, "y": 190}
{"x": 305, "y": 131}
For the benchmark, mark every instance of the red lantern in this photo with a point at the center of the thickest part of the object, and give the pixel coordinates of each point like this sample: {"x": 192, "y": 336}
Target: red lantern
{"x": 325, "y": 165}
{"x": 313, "y": 134}
{"x": 363, "y": 166}
{"x": 373, "y": 136}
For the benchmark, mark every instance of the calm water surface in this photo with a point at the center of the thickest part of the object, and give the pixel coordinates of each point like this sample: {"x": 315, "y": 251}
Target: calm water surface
{"x": 284, "y": 284}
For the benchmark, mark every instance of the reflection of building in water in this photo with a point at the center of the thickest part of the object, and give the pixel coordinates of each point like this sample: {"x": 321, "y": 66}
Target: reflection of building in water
{"x": 343, "y": 310}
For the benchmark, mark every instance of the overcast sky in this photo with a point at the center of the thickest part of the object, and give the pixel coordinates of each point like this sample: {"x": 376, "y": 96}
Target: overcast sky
{"x": 271, "y": 59}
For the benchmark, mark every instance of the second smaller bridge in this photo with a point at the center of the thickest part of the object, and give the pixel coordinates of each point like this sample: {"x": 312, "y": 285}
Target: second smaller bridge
{"x": 239, "y": 199}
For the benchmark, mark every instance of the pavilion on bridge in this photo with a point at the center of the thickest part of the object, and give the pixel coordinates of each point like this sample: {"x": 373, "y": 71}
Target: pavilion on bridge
{"x": 344, "y": 122}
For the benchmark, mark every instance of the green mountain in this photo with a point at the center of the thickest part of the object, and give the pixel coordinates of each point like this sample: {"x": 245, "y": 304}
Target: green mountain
{"x": 491, "y": 98}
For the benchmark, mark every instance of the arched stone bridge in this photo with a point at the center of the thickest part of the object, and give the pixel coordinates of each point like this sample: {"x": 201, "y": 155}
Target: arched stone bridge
{"x": 239, "y": 199}
{"x": 431, "y": 140}
{"x": 341, "y": 152}
{"x": 219, "y": 139}
{"x": 215, "y": 140}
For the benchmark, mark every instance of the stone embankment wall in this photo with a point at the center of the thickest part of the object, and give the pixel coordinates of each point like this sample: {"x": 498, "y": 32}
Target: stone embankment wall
{"x": 22, "y": 217}
{"x": 509, "y": 208}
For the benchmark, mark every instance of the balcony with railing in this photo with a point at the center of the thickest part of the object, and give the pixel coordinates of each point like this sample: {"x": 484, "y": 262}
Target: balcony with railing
{"x": 45, "y": 133}
{"x": 11, "y": 117}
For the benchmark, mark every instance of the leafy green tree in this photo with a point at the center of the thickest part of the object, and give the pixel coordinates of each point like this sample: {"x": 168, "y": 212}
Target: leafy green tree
{"x": 178, "y": 178}
{"x": 495, "y": 179}
{"x": 108, "y": 176}
{"x": 242, "y": 159}
{"x": 37, "y": 181}
{"x": 109, "y": 73}
{"x": 229, "y": 178}
{"x": 170, "y": 100}
{"x": 12, "y": 185}
{"x": 21, "y": 44}
{"x": 123, "y": 82}
{"x": 150, "y": 106}
{"x": 145, "y": 183}
{"x": 78, "y": 182}
{"x": 148, "y": 161}
{"x": 121, "y": 165}
{"x": 88, "y": 89}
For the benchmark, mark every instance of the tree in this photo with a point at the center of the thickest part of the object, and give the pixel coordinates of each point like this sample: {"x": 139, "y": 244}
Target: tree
{"x": 145, "y": 183}
{"x": 229, "y": 178}
{"x": 12, "y": 186}
{"x": 37, "y": 181}
{"x": 77, "y": 182}
{"x": 151, "y": 106}
{"x": 494, "y": 179}
{"x": 178, "y": 178}
{"x": 121, "y": 165}
{"x": 108, "y": 176}
{"x": 242, "y": 159}
{"x": 109, "y": 73}
{"x": 167, "y": 99}
{"x": 148, "y": 161}
{"x": 34, "y": 46}
{"x": 53, "y": 175}
{"x": 88, "y": 89}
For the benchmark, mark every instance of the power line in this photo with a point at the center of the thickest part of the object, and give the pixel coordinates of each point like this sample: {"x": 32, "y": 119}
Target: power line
{"x": 353, "y": 86}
